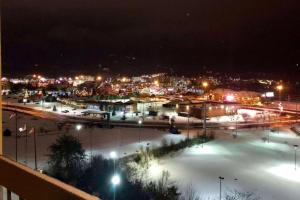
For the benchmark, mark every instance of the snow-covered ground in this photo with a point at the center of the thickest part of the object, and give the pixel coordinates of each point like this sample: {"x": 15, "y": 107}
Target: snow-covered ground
{"x": 247, "y": 163}
{"x": 94, "y": 140}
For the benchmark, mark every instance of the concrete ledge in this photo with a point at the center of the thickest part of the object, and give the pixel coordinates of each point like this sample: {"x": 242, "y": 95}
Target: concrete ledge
{"x": 32, "y": 185}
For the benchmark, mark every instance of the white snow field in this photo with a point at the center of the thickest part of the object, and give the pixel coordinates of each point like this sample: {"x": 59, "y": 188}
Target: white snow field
{"x": 247, "y": 163}
{"x": 94, "y": 140}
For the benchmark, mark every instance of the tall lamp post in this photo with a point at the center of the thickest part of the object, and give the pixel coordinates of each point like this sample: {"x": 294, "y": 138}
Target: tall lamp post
{"x": 113, "y": 155}
{"x": 204, "y": 85}
{"x": 221, "y": 178}
{"x": 188, "y": 121}
{"x": 295, "y": 150}
{"x": 15, "y": 115}
{"x": 236, "y": 126}
{"x": 78, "y": 128}
{"x": 140, "y": 122}
{"x": 279, "y": 88}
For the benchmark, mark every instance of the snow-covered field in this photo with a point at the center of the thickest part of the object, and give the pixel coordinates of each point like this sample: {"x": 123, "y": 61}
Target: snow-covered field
{"x": 94, "y": 140}
{"x": 247, "y": 163}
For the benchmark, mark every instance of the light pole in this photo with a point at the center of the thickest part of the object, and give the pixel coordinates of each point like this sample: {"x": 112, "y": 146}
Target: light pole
{"x": 204, "y": 119}
{"x": 78, "y": 128}
{"x": 279, "y": 88}
{"x": 34, "y": 140}
{"x": 221, "y": 178}
{"x": 115, "y": 180}
{"x": 295, "y": 150}
{"x": 188, "y": 121}
{"x": 16, "y": 139}
{"x": 204, "y": 85}
{"x": 236, "y": 130}
{"x": 140, "y": 124}
{"x": 113, "y": 155}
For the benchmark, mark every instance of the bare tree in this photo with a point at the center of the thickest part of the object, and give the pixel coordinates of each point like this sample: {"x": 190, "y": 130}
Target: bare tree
{"x": 241, "y": 195}
{"x": 189, "y": 193}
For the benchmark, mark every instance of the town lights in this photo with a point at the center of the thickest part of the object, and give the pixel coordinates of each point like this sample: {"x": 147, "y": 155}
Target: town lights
{"x": 279, "y": 87}
{"x": 156, "y": 82}
{"x": 99, "y": 78}
{"x": 187, "y": 107}
{"x": 229, "y": 97}
{"x": 124, "y": 79}
{"x": 205, "y": 84}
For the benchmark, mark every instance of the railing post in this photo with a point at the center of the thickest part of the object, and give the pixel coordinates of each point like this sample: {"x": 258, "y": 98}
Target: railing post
{"x": 1, "y": 132}
{"x": 1, "y": 192}
{"x": 8, "y": 194}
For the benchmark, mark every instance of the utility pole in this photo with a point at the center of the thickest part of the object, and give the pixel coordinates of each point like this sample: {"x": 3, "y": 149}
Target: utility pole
{"x": 34, "y": 141}
{"x": 1, "y": 135}
{"x": 16, "y": 138}
{"x": 26, "y": 142}
{"x": 221, "y": 178}
{"x": 204, "y": 119}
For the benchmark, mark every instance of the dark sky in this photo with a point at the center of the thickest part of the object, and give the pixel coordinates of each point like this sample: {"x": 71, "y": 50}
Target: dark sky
{"x": 134, "y": 36}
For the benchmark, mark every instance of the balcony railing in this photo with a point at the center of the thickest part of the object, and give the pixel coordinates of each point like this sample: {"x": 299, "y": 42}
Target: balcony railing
{"x": 33, "y": 185}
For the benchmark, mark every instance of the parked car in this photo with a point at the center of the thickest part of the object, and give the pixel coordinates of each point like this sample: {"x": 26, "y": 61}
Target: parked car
{"x": 65, "y": 111}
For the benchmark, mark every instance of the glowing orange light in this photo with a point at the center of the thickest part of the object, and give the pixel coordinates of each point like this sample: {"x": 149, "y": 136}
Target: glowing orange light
{"x": 279, "y": 87}
{"x": 205, "y": 84}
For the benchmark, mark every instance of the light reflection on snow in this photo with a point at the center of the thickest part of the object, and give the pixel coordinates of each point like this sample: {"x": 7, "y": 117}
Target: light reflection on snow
{"x": 155, "y": 169}
{"x": 272, "y": 145}
{"x": 286, "y": 171}
{"x": 207, "y": 150}
{"x": 284, "y": 135}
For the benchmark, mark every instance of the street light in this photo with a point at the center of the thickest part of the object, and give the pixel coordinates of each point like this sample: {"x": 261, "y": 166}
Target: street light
{"x": 140, "y": 124}
{"x": 295, "y": 148}
{"x": 221, "y": 178}
{"x": 113, "y": 155}
{"x": 205, "y": 84}
{"x": 78, "y": 128}
{"x": 279, "y": 88}
{"x": 99, "y": 78}
{"x": 115, "y": 180}
{"x": 188, "y": 117}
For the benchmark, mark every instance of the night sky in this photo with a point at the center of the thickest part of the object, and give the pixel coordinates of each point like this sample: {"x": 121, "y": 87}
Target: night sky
{"x": 139, "y": 36}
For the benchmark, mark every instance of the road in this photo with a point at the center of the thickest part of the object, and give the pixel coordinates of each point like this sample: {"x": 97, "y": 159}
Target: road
{"x": 148, "y": 124}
